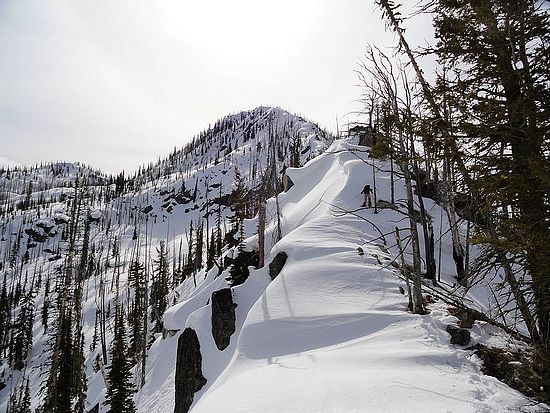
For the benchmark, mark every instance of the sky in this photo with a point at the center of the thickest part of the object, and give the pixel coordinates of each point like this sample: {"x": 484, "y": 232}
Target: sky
{"x": 119, "y": 83}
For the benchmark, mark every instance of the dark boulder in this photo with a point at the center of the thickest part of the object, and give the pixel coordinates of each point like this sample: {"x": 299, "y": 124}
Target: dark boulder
{"x": 222, "y": 200}
{"x": 183, "y": 198}
{"x": 459, "y": 336}
{"x": 189, "y": 378}
{"x": 36, "y": 236}
{"x": 239, "y": 271}
{"x": 147, "y": 209}
{"x": 277, "y": 264}
{"x": 227, "y": 261}
{"x": 287, "y": 183}
{"x": 45, "y": 227}
{"x": 223, "y": 317}
{"x": 59, "y": 220}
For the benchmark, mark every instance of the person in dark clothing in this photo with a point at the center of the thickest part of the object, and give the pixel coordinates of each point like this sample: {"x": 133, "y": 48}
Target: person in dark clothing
{"x": 368, "y": 200}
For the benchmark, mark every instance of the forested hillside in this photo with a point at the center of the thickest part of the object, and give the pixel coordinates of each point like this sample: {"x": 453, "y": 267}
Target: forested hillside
{"x": 267, "y": 265}
{"x": 81, "y": 250}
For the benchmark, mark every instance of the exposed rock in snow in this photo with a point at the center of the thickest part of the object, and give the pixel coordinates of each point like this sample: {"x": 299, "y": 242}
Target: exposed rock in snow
{"x": 277, "y": 264}
{"x": 189, "y": 378}
{"x": 459, "y": 336}
{"x": 323, "y": 328}
{"x": 223, "y": 317}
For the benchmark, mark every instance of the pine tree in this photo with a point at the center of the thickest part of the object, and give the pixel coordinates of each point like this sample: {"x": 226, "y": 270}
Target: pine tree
{"x": 211, "y": 253}
{"x": 238, "y": 201}
{"x": 60, "y": 382}
{"x": 25, "y": 405}
{"x": 15, "y": 249}
{"x": 22, "y": 337}
{"x": 498, "y": 54}
{"x": 119, "y": 385}
{"x": 219, "y": 235}
{"x": 136, "y": 278}
{"x": 159, "y": 287}
{"x": 61, "y": 373}
{"x": 5, "y": 313}
{"x": 199, "y": 246}
{"x": 45, "y": 305}
{"x": 190, "y": 264}
{"x": 81, "y": 381}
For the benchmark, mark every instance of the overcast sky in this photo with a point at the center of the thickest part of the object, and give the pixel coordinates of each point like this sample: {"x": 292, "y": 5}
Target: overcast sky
{"x": 115, "y": 83}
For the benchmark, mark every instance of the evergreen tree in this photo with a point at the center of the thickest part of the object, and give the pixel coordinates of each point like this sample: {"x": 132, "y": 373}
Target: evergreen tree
{"x": 15, "y": 249}
{"x": 238, "y": 202}
{"x": 22, "y": 336}
{"x": 159, "y": 287}
{"x": 25, "y": 405}
{"x": 136, "y": 278}
{"x": 5, "y": 313}
{"x": 60, "y": 381}
{"x": 190, "y": 264}
{"x": 60, "y": 384}
{"x": 45, "y": 305}
{"x": 81, "y": 382}
{"x": 119, "y": 385}
{"x": 199, "y": 246}
{"x": 211, "y": 253}
{"x": 219, "y": 235}
{"x": 497, "y": 53}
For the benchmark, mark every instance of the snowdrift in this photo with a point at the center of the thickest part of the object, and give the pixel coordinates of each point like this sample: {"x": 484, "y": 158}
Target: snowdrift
{"x": 331, "y": 332}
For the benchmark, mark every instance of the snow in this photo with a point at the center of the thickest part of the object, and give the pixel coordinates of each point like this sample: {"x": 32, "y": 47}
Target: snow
{"x": 331, "y": 333}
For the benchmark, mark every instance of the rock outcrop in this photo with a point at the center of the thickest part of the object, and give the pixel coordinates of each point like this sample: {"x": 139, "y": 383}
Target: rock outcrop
{"x": 189, "y": 378}
{"x": 277, "y": 264}
{"x": 459, "y": 336}
{"x": 223, "y": 317}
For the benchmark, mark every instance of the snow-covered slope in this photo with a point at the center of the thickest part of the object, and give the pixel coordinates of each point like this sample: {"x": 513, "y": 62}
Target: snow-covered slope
{"x": 332, "y": 333}
{"x": 132, "y": 214}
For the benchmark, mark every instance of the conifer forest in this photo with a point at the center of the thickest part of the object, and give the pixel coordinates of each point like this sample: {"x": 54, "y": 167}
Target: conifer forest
{"x": 268, "y": 264}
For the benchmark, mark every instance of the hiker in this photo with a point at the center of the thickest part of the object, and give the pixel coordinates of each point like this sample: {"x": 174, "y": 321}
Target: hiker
{"x": 368, "y": 192}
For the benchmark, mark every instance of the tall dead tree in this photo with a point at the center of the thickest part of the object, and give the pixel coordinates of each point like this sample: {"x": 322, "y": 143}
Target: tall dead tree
{"x": 385, "y": 85}
{"x": 394, "y": 22}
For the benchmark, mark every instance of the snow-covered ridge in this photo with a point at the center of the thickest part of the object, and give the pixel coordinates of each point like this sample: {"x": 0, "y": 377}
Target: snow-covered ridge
{"x": 331, "y": 333}
{"x": 161, "y": 202}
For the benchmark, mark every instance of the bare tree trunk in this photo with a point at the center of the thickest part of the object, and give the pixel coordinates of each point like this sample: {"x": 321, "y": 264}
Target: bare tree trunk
{"x": 404, "y": 267}
{"x": 102, "y": 320}
{"x": 449, "y": 207}
{"x": 145, "y": 298}
{"x": 261, "y": 234}
{"x": 374, "y": 187}
{"x": 386, "y": 80}
{"x": 279, "y": 230}
{"x": 392, "y": 177}
{"x": 430, "y": 260}
{"x": 418, "y": 305}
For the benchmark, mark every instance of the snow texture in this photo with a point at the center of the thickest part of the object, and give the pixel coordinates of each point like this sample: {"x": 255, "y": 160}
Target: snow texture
{"x": 331, "y": 333}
